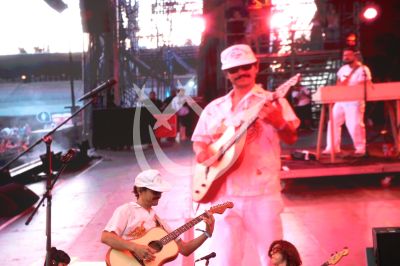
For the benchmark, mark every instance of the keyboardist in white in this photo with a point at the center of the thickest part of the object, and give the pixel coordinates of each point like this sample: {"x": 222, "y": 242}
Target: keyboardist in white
{"x": 351, "y": 113}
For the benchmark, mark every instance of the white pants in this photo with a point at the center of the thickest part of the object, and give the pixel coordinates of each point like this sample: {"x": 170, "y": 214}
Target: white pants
{"x": 256, "y": 218}
{"x": 352, "y": 114}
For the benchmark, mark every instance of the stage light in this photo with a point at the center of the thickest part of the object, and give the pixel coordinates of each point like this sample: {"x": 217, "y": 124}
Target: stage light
{"x": 370, "y": 12}
{"x": 198, "y": 24}
{"x": 191, "y": 83}
{"x": 57, "y": 5}
{"x": 279, "y": 21}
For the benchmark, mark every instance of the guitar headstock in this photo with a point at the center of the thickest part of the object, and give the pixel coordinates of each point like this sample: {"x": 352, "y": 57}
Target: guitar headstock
{"x": 281, "y": 91}
{"x": 337, "y": 256}
{"x": 220, "y": 208}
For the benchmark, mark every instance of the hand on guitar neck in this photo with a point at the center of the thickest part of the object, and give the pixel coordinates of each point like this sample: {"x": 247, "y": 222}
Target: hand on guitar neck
{"x": 271, "y": 113}
{"x": 204, "y": 153}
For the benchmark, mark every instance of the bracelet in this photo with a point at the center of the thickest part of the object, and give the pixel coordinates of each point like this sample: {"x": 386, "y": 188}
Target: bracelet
{"x": 205, "y": 233}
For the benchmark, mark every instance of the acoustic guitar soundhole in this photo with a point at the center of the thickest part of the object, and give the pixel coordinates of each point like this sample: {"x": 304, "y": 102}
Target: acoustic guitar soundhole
{"x": 156, "y": 245}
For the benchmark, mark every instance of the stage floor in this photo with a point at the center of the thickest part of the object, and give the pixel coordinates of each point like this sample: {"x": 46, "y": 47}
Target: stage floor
{"x": 321, "y": 215}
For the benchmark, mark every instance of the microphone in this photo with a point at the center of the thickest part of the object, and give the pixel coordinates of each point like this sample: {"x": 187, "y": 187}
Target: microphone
{"x": 99, "y": 88}
{"x": 69, "y": 155}
{"x": 209, "y": 256}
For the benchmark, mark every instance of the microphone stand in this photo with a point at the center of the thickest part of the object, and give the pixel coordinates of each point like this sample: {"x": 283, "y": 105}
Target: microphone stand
{"x": 206, "y": 258}
{"x": 365, "y": 104}
{"x": 47, "y": 139}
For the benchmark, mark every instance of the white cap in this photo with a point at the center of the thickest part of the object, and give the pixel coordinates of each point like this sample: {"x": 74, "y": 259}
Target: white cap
{"x": 151, "y": 179}
{"x": 237, "y": 55}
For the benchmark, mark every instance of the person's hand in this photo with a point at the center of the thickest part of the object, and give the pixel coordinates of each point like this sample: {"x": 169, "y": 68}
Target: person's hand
{"x": 143, "y": 252}
{"x": 209, "y": 220}
{"x": 205, "y": 155}
{"x": 272, "y": 114}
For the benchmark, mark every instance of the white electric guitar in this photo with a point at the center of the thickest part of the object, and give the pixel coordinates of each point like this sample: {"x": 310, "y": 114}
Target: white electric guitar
{"x": 158, "y": 239}
{"x": 208, "y": 178}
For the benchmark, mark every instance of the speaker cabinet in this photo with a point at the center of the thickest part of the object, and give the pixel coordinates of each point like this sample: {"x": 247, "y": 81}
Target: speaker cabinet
{"x": 369, "y": 251}
{"x": 386, "y": 242}
{"x": 14, "y": 198}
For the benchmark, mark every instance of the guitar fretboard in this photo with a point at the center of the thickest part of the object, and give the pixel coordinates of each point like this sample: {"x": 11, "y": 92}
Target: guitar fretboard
{"x": 177, "y": 232}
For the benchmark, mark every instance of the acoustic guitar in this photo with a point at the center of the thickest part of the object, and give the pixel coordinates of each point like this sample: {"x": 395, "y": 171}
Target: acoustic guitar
{"x": 209, "y": 177}
{"x": 158, "y": 239}
{"x": 336, "y": 257}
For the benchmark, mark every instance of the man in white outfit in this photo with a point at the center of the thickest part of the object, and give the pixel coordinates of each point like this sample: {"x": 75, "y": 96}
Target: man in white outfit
{"x": 253, "y": 181}
{"x": 352, "y": 112}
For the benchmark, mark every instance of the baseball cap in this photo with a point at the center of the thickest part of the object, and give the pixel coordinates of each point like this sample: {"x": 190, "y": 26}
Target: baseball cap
{"x": 237, "y": 55}
{"x": 151, "y": 179}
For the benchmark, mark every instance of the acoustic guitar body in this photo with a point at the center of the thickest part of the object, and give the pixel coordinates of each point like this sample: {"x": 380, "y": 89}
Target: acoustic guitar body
{"x": 165, "y": 253}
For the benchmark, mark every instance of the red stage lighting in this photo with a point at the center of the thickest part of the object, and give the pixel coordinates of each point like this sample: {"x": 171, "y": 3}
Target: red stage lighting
{"x": 370, "y": 12}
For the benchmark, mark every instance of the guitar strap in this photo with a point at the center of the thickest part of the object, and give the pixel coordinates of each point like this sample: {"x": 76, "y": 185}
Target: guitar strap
{"x": 158, "y": 223}
{"x": 347, "y": 79}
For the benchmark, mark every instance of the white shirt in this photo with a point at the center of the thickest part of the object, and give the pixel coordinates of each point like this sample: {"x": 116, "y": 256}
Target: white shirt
{"x": 131, "y": 221}
{"x": 259, "y": 168}
{"x": 361, "y": 73}
{"x": 178, "y": 101}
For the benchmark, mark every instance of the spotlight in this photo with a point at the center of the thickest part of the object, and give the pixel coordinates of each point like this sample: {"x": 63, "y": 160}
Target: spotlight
{"x": 370, "y": 12}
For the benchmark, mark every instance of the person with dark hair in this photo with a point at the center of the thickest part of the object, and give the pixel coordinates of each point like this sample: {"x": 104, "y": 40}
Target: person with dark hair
{"x": 132, "y": 220}
{"x": 153, "y": 98}
{"x": 284, "y": 253}
{"x": 58, "y": 257}
{"x": 350, "y": 113}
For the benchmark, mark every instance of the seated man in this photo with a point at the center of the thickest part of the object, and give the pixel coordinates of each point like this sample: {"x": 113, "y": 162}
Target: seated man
{"x": 132, "y": 220}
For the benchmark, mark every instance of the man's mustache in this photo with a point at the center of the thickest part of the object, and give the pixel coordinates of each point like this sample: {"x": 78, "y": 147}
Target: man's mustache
{"x": 243, "y": 76}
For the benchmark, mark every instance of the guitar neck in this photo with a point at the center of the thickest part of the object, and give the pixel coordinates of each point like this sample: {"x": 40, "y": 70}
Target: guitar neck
{"x": 177, "y": 232}
{"x": 279, "y": 93}
{"x": 237, "y": 136}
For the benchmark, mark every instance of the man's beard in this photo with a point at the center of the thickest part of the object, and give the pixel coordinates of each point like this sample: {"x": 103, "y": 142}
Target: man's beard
{"x": 349, "y": 62}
